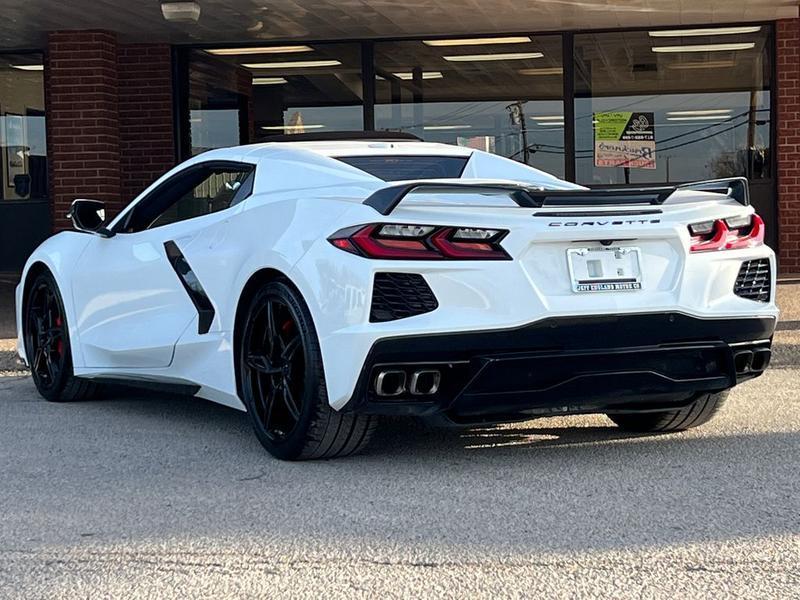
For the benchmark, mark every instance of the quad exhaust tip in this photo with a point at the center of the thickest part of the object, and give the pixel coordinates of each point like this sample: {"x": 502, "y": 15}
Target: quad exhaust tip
{"x": 752, "y": 361}
{"x": 425, "y": 382}
{"x": 391, "y": 383}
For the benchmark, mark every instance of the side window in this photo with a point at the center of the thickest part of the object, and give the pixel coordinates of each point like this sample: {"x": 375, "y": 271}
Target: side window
{"x": 198, "y": 191}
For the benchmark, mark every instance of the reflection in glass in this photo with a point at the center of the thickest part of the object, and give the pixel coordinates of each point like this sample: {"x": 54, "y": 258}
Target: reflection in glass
{"x": 213, "y": 128}
{"x": 698, "y": 136}
{"x": 22, "y": 127}
{"x": 318, "y": 90}
{"x": 250, "y": 94}
{"x": 219, "y": 98}
{"x": 710, "y": 103}
{"x": 489, "y": 96}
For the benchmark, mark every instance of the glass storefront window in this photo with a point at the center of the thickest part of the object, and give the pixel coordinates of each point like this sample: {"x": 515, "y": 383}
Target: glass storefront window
{"x": 697, "y": 104}
{"x": 250, "y": 94}
{"x": 22, "y": 128}
{"x": 699, "y": 98}
{"x": 502, "y": 95}
{"x": 219, "y": 96}
{"x": 317, "y": 88}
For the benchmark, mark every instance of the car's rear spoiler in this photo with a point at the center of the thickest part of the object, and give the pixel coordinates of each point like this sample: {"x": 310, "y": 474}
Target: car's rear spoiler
{"x": 385, "y": 200}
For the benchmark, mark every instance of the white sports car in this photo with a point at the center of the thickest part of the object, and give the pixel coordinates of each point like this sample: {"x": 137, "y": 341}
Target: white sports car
{"x": 319, "y": 284}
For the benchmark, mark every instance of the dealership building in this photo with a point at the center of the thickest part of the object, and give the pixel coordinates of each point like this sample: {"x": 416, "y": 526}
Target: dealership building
{"x": 100, "y": 97}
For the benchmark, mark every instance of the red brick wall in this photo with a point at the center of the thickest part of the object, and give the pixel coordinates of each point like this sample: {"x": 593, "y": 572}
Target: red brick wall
{"x": 147, "y": 146}
{"x": 788, "y": 144}
{"x": 82, "y": 119}
{"x": 109, "y": 118}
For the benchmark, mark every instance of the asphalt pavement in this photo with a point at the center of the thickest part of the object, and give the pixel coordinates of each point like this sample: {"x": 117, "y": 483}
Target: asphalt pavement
{"x": 147, "y": 496}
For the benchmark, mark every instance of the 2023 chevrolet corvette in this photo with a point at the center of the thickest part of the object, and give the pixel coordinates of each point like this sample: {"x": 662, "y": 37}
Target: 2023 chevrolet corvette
{"x": 317, "y": 285}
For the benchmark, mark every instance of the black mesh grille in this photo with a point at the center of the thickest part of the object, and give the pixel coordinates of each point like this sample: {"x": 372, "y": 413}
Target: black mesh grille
{"x": 753, "y": 281}
{"x": 400, "y": 295}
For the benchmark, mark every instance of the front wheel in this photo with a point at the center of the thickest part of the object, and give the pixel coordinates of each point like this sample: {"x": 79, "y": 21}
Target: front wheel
{"x": 283, "y": 385}
{"x": 47, "y": 346}
{"x": 697, "y": 413}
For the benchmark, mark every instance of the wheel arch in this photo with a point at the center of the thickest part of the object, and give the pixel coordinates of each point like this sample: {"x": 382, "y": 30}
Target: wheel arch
{"x": 36, "y": 268}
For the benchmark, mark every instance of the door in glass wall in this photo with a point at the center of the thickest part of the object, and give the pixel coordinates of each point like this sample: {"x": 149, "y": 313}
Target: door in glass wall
{"x": 671, "y": 106}
{"x": 24, "y": 208}
{"x": 276, "y": 90}
{"x": 501, "y": 94}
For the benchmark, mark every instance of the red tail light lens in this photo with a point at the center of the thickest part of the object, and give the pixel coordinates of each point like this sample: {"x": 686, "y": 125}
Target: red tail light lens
{"x": 421, "y": 242}
{"x": 727, "y": 234}
{"x": 746, "y": 236}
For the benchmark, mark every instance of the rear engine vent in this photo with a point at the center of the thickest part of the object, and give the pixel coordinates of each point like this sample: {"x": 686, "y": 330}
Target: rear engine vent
{"x": 400, "y": 295}
{"x": 753, "y": 281}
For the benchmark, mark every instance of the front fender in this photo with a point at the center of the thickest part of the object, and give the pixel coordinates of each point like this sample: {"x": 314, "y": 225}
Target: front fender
{"x": 59, "y": 254}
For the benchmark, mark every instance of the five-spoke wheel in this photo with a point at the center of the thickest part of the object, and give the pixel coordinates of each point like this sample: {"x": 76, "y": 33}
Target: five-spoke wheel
{"x": 282, "y": 380}
{"x": 46, "y": 334}
{"x": 274, "y": 367}
{"x": 47, "y": 347}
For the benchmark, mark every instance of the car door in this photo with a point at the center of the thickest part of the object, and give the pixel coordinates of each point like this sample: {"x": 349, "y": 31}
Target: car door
{"x": 135, "y": 293}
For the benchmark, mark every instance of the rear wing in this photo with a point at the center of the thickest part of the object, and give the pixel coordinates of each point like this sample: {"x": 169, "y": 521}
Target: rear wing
{"x": 385, "y": 200}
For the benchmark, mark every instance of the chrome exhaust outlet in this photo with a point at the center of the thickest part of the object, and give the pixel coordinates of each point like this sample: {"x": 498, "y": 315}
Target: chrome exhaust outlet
{"x": 425, "y": 382}
{"x": 743, "y": 361}
{"x": 391, "y": 382}
{"x": 761, "y": 358}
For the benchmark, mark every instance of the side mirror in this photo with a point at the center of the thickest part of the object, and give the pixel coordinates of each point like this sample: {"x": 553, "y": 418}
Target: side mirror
{"x": 89, "y": 216}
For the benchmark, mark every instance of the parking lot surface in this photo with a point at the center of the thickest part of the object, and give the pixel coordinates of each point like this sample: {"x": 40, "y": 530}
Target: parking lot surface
{"x": 144, "y": 496}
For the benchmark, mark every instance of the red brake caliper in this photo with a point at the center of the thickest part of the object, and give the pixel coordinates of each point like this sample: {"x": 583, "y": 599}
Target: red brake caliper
{"x": 60, "y": 344}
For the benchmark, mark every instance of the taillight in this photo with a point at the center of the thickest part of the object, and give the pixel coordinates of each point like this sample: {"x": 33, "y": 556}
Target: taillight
{"x": 421, "y": 242}
{"x": 746, "y": 231}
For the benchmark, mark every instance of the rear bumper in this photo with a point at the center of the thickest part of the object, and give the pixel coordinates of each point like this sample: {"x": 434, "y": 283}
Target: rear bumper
{"x": 568, "y": 365}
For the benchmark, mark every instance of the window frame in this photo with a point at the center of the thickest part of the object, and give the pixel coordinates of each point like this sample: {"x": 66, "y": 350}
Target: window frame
{"x": 149, "y": 197}
{"x": 180, "y": 77}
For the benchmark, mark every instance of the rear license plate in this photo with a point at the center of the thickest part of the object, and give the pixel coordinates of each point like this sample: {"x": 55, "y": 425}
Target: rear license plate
{"x": 612, "y": 269}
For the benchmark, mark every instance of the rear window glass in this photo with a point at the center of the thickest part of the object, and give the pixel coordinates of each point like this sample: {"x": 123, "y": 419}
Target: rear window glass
{"x": 398, "y": 168}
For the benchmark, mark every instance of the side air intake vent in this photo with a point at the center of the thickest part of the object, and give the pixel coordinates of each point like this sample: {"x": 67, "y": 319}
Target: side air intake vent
{"x": 753, "y": 281}
{"x": 400, "y": 295}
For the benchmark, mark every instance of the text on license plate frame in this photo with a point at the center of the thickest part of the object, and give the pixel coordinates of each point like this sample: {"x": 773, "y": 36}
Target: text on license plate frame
{"x": 605, "y": 269}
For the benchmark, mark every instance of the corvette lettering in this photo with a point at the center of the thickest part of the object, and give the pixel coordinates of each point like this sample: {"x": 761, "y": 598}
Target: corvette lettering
{"x": 602, "y": 223}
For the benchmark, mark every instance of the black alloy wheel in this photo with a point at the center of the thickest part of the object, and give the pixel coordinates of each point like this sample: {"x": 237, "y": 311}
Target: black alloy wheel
{"x": 47, "y": 346}
{"x": 274, "y": 365}
{"x": 46, "y": 335}
{"x": 282, "y": 381}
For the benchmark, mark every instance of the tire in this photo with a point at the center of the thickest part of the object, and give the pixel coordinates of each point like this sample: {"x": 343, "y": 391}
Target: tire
{"x": 47, "y": 345}
{"x": 697, "y": 413}
{"x": 282, "y": 381}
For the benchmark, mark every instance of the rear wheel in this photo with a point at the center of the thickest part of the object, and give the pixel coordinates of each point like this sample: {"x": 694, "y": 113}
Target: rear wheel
{"x": 697, "y": 413}
{"x": 283, "y": 384}
{"x": 47, "y": 344}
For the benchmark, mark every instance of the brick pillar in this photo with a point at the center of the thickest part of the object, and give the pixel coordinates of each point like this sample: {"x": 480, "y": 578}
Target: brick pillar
{"x": 788, "y": 143}
{"x": 147, "y": 147}
{"x": 81, "y": 96}
{"x": 109, "y": 118}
